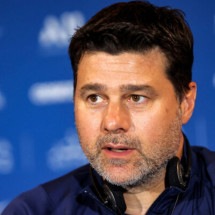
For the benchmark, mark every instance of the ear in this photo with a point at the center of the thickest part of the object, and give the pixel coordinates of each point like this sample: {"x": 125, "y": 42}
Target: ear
{"x": 188, "y": 102}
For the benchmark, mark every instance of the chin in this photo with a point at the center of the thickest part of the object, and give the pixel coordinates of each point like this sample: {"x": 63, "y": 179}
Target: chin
{"x": 122, "y": 179}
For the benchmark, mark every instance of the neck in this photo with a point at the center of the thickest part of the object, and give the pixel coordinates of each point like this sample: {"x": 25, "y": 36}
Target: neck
{"x": 139, "y": 199}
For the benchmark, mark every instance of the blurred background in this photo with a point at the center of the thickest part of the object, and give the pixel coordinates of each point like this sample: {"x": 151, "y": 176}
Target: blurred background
{"x": 38, "y": 140}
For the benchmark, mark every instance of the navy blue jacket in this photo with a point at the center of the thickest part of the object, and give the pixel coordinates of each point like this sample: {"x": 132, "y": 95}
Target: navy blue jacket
{"x": 74, "y": 194}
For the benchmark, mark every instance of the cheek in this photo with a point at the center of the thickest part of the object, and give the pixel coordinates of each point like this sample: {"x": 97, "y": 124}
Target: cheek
{"x": 152, "y": 124}
{"x": 88, "y": 125}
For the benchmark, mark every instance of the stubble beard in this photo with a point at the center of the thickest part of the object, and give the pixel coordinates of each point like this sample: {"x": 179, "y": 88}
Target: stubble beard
{"x": 146, "y": 168}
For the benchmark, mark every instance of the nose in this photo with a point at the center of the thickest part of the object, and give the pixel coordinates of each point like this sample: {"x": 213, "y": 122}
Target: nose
{"x": 116, "y": 119}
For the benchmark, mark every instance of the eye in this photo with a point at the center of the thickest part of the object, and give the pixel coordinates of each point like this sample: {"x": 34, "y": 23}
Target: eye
{"x": 95, "y": 99}
{"x": 137, "y": 98}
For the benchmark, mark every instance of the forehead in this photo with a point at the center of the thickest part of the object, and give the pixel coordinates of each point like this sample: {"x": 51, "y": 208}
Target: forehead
{"x": 122, "y": 68}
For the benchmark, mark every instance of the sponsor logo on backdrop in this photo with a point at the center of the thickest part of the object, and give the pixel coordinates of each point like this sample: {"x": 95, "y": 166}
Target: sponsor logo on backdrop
{"x": 214, "y": 80}
{"x": 2, "y": 101}
{"x": 51, "y": 92}
{"x": 3, "y": 204}
{"x": 57, "y": 31}
{"x": 66, "y": 153}
{"x": 6, "y": 157}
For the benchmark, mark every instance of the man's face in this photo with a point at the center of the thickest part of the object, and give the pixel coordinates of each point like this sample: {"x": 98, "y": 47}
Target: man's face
{"x": 127, "y": 115}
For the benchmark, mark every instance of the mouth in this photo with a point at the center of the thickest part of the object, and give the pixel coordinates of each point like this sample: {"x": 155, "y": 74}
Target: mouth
{"x": 116, "y": 149}
{"x": 113, "y": 150}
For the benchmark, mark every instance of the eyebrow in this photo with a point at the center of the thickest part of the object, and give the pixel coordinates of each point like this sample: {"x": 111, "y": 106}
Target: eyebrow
{"x": 133, "y": 87}
{"x": 123, "y": 88}
{"x": 92, "y": 87}
{"x": 142, "y": 87}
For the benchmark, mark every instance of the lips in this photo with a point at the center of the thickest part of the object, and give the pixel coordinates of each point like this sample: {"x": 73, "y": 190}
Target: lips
{"x": 116, "y": 147}
{"x": 117, "y": 150}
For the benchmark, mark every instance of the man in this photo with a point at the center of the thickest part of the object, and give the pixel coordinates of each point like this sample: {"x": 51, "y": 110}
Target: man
{"x": 133, "y": 91}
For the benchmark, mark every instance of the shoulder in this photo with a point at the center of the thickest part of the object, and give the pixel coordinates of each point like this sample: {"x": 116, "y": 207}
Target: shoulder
{"x": 69, "y": 184}
{"x": 199, "y": 198}
{"x": 204, "y": 162}
{"x": 76, "y": 178}
{"x": 44, "y": 198}
{"x": 204, "y": 154}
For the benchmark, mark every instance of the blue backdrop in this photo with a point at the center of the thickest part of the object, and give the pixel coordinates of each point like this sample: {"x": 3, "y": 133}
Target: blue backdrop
{"x": 38, "y": 141}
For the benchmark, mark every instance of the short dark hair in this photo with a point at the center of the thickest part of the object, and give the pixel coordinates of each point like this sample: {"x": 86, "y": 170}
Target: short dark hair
{"x": 139, "y": 26}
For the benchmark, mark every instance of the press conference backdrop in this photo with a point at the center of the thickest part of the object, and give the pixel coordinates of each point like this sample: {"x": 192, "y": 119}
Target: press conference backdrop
{"x": 38, "y": 140}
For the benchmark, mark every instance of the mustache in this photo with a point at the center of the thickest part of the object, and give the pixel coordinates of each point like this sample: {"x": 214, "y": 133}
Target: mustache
{"x": 125, "y": 140}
